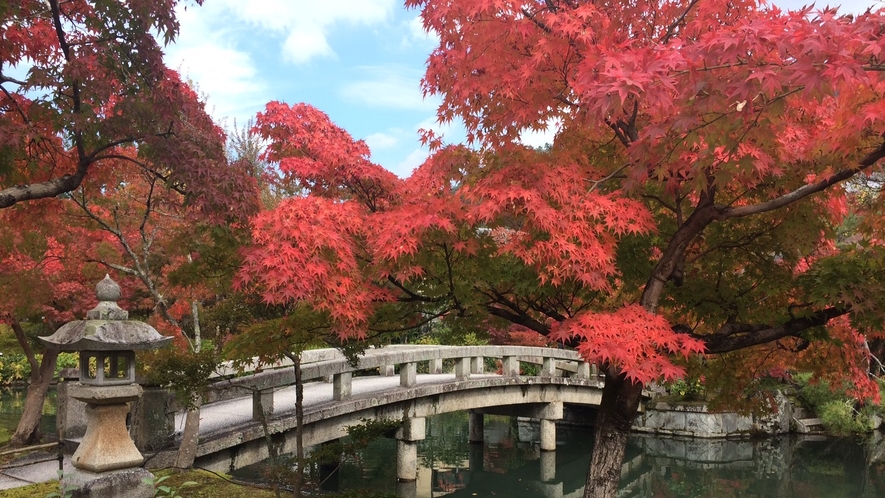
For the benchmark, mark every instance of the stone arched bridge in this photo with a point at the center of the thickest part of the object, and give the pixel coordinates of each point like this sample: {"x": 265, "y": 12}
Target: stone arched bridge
{"x": 338, "y": 394}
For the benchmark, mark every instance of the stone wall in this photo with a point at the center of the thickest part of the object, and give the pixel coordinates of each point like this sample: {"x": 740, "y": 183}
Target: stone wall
{"x": 696, "y": 421}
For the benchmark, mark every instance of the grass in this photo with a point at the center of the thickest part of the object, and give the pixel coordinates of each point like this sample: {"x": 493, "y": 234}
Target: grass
{"x": 209, "y": 485}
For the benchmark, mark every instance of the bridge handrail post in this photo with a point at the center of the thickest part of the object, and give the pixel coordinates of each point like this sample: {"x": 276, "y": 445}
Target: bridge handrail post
{"x": 435, "y": 366}
{"x": 548, "y": 367}
{"x": 477, "y": 365}
{"x": 584, "y": 370}
{"x": 462, "y": 368}
{"x": 342, "y": 386}
{"x": 408, "y": 374}
{"x": 510, "y": 366}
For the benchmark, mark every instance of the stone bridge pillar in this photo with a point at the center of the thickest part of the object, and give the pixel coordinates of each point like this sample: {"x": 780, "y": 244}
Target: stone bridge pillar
{"x": 407, "y": 437}
{"x": 475, "y": 426}
{"x": 548, "y": 417}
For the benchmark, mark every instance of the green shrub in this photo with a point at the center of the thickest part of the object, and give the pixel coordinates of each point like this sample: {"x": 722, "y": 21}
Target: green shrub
{"x": 839, "y": 417}
{"x": 839, "y": 413}
{"x": 688, "y": 389}
{"x": 14, "y": 367}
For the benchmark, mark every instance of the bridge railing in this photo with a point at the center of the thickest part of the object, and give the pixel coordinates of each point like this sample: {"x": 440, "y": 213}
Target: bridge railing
{"x": 330, "y": 365}
{"x": 153, "y": 416}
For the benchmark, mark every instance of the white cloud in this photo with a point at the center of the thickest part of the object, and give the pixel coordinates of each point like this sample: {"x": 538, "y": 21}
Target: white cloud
{"x": 306, "y": 43}
{"x": 305, "y": 23}
{"x": 226, "y": 75}
{"x": 417, "y": 35}
{"x": 412, "y": 161}
{"x": 381, "y": 141}
{"x": 391, "y": 87}
{"x": 540, "y": 138}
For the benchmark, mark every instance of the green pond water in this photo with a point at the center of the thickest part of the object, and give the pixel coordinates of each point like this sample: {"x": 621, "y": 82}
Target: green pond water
{"x": 12, "y": 400}
{"x": 510, "y": 465}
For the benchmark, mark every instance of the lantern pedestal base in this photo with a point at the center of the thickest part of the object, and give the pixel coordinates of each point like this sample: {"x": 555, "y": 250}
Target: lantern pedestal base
{"x": 114, "y": 484}
{"x": 106, "y": 444}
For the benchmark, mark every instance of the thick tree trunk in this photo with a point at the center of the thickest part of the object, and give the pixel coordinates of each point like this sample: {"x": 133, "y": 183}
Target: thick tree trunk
{"x": 28, "y": 430}
{"x": 620, "y": 402}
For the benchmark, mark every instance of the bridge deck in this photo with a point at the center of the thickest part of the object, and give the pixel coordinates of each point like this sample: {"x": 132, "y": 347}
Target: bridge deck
{"x": 222, "y": 415}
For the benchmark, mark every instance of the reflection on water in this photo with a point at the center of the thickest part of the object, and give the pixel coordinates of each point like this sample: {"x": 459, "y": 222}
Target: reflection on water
{"x": 510, "y": 465}
{"x": 12, "y": 402}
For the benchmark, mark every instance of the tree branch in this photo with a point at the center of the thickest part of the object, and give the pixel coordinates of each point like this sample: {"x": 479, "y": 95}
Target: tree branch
{"x": 735, "y": 336}
{"x": 804, "y": 191}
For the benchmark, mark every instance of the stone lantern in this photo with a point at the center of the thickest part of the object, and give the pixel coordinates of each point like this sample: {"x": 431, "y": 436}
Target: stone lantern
{"x": 107, "y": 458}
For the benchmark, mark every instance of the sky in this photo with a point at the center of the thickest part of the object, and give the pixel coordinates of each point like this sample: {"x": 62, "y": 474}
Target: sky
{"x": 359, "y": 61}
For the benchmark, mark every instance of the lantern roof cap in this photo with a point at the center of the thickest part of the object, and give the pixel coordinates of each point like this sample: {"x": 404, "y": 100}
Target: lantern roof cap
{"x": 107, "y": 327}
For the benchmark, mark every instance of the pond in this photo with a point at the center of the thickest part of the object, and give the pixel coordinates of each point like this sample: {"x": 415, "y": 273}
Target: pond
{"x": 510, "y": 465}
{"x": 12, "y": 401}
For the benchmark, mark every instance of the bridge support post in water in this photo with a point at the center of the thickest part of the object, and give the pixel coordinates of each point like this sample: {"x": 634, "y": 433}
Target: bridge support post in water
{"x": 341, "y": 386}
{"x": 548, "y": 466}
{"x": 330, "y": 477}
{"x": 407, "y": 437}
{"x": 476, "y": 458}
{"x": 407, "y": 489}
{"x": 475, "y": 428}
{"x": 547, "y": 418}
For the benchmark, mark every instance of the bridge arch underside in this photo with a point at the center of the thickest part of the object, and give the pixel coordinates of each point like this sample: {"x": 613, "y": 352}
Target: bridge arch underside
{"x": 246, "y": 444}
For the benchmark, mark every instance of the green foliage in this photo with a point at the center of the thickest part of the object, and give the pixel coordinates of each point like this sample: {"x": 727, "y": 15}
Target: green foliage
{"x": 63, "y": 491}
{"x": 839, "y": 413}
{"x": 443, "y": 333}
{"x": 840, "y": 417}
{"x": 14, "y": 367}
{"x": 185, "y": 372}
{"x": 689, "y": 389}
{"x": 166, "y": 490}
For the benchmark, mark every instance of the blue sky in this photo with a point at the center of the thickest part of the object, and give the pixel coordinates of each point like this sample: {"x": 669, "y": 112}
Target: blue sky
{"x": 360, "y": 61}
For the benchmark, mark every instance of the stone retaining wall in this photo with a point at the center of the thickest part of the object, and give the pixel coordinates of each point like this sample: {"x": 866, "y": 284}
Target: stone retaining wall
{"x": 696, "y": 421}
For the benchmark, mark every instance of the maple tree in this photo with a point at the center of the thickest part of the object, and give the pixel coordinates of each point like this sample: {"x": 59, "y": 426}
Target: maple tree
{"x": 690, "y": 203}
{"x": 45, "y": 283}
{"x": 94, "y": 80}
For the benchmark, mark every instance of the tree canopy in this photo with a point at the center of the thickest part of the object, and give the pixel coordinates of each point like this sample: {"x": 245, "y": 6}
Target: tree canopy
{"x": 690, "y": 203}
{"x": 94, "y": 81}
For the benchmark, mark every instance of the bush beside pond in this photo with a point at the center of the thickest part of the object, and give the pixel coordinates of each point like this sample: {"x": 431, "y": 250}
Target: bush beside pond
{"x": 14, "y": 367}
{"x": 839, "y": 413}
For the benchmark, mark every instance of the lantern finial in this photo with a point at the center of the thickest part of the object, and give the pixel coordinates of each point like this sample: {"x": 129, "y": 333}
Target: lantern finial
{"x": 107, "y": 291}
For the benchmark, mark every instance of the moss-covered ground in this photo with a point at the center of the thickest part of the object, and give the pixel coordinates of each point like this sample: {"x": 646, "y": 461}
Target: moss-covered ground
{"x": 209, "y": 485}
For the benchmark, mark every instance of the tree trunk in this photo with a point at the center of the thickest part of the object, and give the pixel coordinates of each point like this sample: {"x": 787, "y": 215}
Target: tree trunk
{"x": 620, "y": 402}
{"x": 190, "y": 437}
{"x": 299, "y": 423}
{"x": 28, "y": 430}
{"x": 187, "y": 452}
